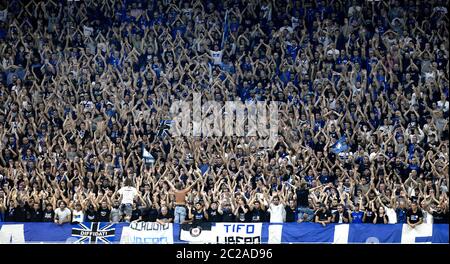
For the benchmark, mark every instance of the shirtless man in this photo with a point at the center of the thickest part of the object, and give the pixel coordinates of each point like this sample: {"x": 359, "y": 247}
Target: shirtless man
{"x": 180, "y": 200}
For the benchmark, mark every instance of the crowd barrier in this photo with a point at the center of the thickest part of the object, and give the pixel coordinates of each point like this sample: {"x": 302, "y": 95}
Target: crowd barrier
{"x": 222, "y": 233}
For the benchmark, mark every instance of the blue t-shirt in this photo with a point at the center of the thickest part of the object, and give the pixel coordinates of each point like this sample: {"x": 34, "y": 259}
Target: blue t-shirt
{"x": 401, "y": 215}
{"x": 357, "y": 217}
{"x": 309, "y": 179}
{"x": 324, "y": 179}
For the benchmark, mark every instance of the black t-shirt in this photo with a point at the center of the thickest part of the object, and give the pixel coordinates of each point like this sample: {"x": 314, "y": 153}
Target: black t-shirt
{"x": 323, "y": 216}
{"x": 337, "y": 216}
{"x": 440, "y": 218}
{"x": 380, "y": 219}
{"x": 103, "y": 215}
{"x": 228, "y": 216}
{"x": 214, "y": 215}
{"x": 36, "y": 215}
{"x": 135, "y": 214}
{"x": 151, "y": 215}
{"x": 258, "y": 215}
{"x": 48, "y": 215}
{"x": 241, "y": 216}
{"x": 370, "y": 215}
{"x": 198, "y": 216}
{"x": 21, "y": 214}
{"x": 290, "y": 214}
{"x": 10, "y": 215}
{"x": 165, "y": 217}
{"x": 302, "y": 197}
{"x": 414, "y": 217}
{"x": 91, "y": 215}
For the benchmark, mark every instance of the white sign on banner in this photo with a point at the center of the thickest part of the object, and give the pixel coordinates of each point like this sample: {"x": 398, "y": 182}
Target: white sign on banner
{"x": 197, "y": 234}
{"x": 12, "y": 234}
{"x": 275, "y": 233}
{"x": 234, "y": 233}
{"x": 147, "y": 233}
{"x": 409, "y": 234}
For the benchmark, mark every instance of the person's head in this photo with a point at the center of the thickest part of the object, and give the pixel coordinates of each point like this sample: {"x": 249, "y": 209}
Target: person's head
{"x": 291, "y": 203}
{"x": 276, "y": 200}
{"x": 127, "y": 182}
{"x": 381, "y": 210}
{"x": 198, "y": 206}
{"x": 242, "y": 201}
{"x": 62, "y": 205}
{"x": 214, "y": 206}
{"x": 414, "y": 206}
{"x": 164, "y": 210}
{"x": 178, "y": 185}
{"x": 322, "y": 207}
{"x": 303, "y": 185}
{"x": 340, "y": 208}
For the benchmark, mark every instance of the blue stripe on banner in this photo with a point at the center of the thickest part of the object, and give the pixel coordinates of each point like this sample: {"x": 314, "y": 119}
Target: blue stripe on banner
{"x": 47, "y": 232}
{"x": 423, "y": 239}
{"x": 176, "y": 234}
{"x": 119, "y": 228}
{"x": 284, "y": 233}
{"x": 375, "y": 233}
{"x": 440, "y": 234}
{"x": 265, "y": 233}
{"x": 307, "y": 233}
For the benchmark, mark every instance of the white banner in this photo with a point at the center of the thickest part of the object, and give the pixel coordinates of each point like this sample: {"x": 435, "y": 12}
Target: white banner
{"x": 409, "y": 234}
{"x": 198, "y": 234}
{"x": 234, "y": 233}
{"x": 12, "y": 234}
{"x": 275, "y": 233}
{"x": 147, "y": 233}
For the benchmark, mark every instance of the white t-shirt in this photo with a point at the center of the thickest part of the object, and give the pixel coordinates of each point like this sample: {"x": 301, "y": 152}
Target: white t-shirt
{"x": 217, "y": 57}
{"x": 392, "y": 216}
{"x": 77, "y": 216}
{"x": 444, "y": 105}
{"x": 128, "y": 193}
{"x": 62, "y": 215}
{"x": 277, "y": 213}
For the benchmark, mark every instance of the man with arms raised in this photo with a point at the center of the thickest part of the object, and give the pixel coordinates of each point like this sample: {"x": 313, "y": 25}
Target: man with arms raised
{"x": 127, "y": 195}
{"x": 180, "y": 199}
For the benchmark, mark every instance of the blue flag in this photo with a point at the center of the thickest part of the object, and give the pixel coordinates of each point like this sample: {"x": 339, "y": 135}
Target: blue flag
{"x": 204, "y": 168}
{"x": 225, "y": 30}
{"x": 164, "y": 128}
{"x": 340, "y": 145}
{"x": 147, "y": 157}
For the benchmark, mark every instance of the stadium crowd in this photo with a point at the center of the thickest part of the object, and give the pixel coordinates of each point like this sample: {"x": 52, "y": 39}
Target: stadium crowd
{"x": 363, "y": 88}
